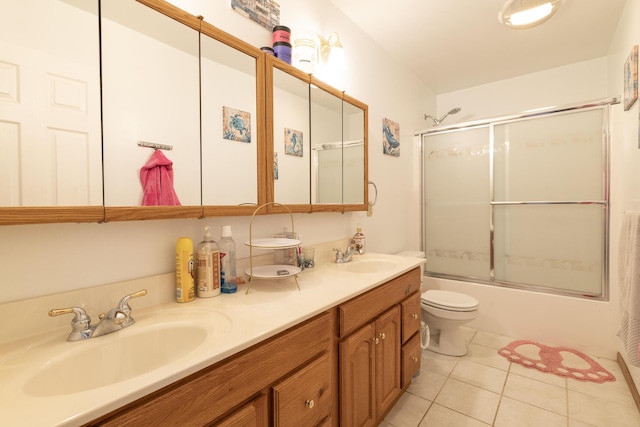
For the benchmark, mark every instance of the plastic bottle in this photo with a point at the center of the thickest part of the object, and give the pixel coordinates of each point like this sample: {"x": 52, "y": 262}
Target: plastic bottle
{"x": 207, "y": 267}
{"x": 359, "y": 240}
{"x": 227, "y": 261}
{"x": 185, "y": 291}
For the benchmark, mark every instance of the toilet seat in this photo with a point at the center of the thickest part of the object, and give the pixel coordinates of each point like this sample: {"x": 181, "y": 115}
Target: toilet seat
{"x": 450, "y": 301}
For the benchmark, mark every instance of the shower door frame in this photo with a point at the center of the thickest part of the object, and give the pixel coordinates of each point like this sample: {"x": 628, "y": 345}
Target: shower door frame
{"x": 605, "y": 106}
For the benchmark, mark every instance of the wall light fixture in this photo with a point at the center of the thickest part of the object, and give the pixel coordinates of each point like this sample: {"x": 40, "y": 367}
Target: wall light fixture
{"x": 332, "y": 52}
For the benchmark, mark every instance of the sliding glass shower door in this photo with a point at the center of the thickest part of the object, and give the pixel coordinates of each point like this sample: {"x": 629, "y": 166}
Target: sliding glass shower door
{"x": 456, "y": 209}
{"x": 520, "y": 202}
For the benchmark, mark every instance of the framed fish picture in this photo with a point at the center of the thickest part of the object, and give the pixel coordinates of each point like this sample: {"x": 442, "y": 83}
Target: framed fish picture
{"x": 631, "y": 78}
{"x": 390, "y": 138}
{"x": 293, "y": 142}
{"x": 236, "y": 125}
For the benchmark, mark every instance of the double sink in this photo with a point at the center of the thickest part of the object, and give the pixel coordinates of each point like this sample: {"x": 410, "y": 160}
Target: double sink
{"x": 168, "y": 337}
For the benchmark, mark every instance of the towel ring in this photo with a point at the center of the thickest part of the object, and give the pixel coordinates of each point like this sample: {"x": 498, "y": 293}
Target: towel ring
{"x": 375, "y": 199}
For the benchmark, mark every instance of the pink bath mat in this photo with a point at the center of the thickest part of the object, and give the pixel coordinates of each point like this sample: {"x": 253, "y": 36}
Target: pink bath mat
{"x": 561, "y": 361}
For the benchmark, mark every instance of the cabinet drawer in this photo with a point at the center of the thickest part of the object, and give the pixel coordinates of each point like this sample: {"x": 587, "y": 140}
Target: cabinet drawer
{"x": 304, "y": 398}
{"x": 411, "y": 353}
{"x": 363, "y": 308}
{"x": 410, "y": 316}
{"x": 253, "y": 414}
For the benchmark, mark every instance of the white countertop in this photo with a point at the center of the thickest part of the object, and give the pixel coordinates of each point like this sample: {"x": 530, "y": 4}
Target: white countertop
{"x": 241, "y": 321}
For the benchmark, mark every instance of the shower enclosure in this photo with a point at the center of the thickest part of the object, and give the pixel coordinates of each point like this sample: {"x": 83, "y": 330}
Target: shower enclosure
{"x": 520, "y": 201}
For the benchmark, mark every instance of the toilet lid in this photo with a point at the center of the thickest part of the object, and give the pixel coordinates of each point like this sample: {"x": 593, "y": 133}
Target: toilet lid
{"x": 448, "y": 300}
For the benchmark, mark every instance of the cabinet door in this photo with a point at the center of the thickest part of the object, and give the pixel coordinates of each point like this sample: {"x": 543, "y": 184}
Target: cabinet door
{"x": 50, "y": 132}
{"x": 289, "y": 130}
{"x": 326, "y": 140}
{"x": 357, "y": 378}
{"x": 304, "y": 398}
{"x": 354, "y": 154}
{"x": 411, "y": 353}
{"x": 150, "y": 93}
{"x": 387, "y": 359}
{"x": 253, "y": 414}
{"x": 231, "y": 131}
{"x": 410, "y": 316}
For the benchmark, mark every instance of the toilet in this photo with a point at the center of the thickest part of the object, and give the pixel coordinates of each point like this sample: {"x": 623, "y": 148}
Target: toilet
{"x": 444, "y": 312}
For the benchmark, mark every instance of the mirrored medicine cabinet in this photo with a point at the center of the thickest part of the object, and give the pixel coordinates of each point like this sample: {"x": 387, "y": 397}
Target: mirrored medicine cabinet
{"x": 317, "y": 139}
{"x": 223, "y": 111}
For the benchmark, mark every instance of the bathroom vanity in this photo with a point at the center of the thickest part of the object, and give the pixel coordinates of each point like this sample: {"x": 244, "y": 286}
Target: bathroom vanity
{"x": 340, "y": 351}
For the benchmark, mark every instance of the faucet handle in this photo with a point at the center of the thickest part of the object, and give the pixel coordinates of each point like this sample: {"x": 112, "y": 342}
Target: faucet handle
{"x": 124, "y": 302}
{"x": 80, "y": 314}
{"x": 80, "y": 324}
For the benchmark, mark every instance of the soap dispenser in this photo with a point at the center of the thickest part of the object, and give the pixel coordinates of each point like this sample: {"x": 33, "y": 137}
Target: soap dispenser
{"x": 207, "y": 267}
{"x": 359, "y": 241}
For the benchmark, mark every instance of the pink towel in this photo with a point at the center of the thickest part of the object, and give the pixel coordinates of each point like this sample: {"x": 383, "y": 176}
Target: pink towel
{"x": 156, "y": 177}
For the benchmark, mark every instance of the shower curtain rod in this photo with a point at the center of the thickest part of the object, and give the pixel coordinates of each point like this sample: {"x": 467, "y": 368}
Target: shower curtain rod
{"x": 530, "y": 113}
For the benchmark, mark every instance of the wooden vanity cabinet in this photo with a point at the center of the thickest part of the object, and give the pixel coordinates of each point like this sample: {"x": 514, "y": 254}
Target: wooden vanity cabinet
{"x": 372, "y": 330}
{"x": 347, "y": 366}
{"x": 236, "y": 391}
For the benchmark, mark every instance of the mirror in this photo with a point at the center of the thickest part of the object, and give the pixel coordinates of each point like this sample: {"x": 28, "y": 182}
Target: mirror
{"x": 230, "y": 125}
{"x": 326, "y": 128}
{"x": 50, "y": 145}
{"x": 291, "y": 139}
{"x": 151, "y": 93}
{"x": 354, "y": 153}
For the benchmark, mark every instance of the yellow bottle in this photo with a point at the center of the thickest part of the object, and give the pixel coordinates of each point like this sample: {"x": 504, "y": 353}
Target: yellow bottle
{"x": 185, "y": 290}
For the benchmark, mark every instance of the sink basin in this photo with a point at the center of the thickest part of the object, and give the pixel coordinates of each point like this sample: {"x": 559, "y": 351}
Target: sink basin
{"x": 122, "y": 355}
{"x": 367, "y": 266}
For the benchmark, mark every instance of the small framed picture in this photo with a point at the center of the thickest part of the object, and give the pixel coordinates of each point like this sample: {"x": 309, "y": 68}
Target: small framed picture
{"x": 390, "y": 138}
{"x": 631, "y": 78}
{"x": 236, "y": 125}
{"x": 293, "y": 142}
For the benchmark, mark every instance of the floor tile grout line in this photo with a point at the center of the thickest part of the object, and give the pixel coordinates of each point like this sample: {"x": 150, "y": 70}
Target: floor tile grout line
{"x": 566, "y": 390}
{"x": 504, "y": 385}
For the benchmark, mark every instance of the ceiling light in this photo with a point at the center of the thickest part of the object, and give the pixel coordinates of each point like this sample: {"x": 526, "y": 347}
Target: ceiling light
{"x": 522, "y": 14}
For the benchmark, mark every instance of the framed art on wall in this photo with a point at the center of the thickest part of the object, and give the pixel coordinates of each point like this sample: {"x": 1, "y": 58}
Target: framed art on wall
{"x": 631, "y": 78}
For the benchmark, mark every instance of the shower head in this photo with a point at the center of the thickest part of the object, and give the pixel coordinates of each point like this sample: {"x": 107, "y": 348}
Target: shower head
{"x": 436, "y": 122}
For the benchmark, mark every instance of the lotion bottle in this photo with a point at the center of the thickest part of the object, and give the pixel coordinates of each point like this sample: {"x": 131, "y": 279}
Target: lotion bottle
{"x": 207, "y": 267}
{"x": 185, "y": 291}
{"x": 359, "y": 241}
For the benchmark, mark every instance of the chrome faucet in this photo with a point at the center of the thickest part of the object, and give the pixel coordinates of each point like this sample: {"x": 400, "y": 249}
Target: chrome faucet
{"x": 111, "y": 321}
{"x": 342, "y": 257}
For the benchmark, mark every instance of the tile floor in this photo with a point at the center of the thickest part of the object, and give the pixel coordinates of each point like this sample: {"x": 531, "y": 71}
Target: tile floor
{"x": 485, "y": 389}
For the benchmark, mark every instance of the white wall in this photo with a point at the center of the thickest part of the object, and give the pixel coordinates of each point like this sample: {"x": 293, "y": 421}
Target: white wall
{"x": 44, "y": 259}
{"x": 582, "y": 81}
{"x": 625, "y": 156}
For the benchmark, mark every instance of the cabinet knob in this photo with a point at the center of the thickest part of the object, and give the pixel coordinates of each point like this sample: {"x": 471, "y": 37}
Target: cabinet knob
{"x": 382, "y": 335}
{"x": 415, "y": 359}
{"x": 375, "y": 340}
{"x": 414, "y": 316}
{"x": 309, "y": 403}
